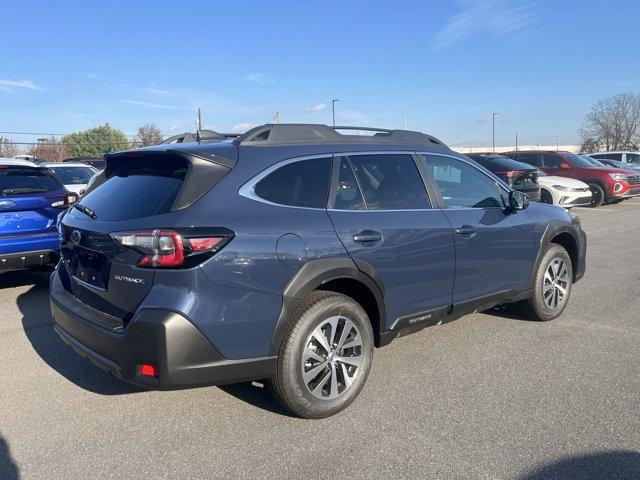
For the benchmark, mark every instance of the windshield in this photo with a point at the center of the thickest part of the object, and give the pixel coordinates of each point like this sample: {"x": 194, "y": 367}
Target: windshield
{"x": 74, "y": 175}
{"x": 26, "y": 180}
{"x": 581, "y": 160}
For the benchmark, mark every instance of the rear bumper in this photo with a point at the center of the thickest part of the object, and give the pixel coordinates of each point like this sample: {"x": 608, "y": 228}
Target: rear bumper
{"x": 30, "y": 243}
{"x": 25, "y": 260}
{"x": 183, "y": 356}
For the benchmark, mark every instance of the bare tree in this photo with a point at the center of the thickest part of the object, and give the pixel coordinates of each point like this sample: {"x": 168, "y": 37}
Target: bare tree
{"x": 612, "y": 124}
{"x": 148, "y": 134}
{"x": 50, "y": 150}
{"x": 8, "y": 149}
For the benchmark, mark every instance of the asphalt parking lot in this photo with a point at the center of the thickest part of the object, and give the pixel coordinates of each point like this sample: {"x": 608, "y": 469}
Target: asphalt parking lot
{"x": 488, "y": 396}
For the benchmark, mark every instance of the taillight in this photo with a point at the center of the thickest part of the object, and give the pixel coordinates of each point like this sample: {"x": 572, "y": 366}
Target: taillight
{"x": 63, "y": 201}
{"x": 169, "y": 248}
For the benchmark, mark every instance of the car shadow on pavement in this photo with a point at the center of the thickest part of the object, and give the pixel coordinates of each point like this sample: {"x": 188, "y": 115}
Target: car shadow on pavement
{"x": 8, "y": 468}
{"x": 38, "y": 327}
{"x": 609, "y": 465}
{"x": 508, "y": 310}
{"x": 258, "y": 396}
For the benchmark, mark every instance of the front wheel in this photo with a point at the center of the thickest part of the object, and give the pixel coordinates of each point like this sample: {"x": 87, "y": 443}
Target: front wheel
{"x": 552, "y": 285}
{"x": 597, "y": 195}
{"x": 325, "y": 356}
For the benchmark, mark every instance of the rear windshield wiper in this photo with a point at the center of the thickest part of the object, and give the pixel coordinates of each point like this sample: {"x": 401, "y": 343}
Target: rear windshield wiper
{"x": 86, "y": 210}
{"x": 14, "y": 191}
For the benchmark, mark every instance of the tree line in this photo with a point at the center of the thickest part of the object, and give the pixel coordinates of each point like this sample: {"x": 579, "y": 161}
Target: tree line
{"x": 94, "y": 142}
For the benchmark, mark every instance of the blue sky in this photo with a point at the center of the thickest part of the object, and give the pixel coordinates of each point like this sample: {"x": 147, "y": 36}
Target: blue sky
{"x": 445, "y": 65}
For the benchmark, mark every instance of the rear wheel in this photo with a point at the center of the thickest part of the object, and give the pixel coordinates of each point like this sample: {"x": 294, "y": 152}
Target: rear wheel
{"x": 325, "y": 356}
{"x": 552, "y": 285}
{"x": 546, "y": 197}
{"x": 597, "y": 195}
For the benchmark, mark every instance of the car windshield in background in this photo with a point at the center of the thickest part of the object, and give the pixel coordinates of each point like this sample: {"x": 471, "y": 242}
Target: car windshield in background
{"x": 74, "y": 175}
{"x": 26, "y": 180}
{"x": 581, "y": 161}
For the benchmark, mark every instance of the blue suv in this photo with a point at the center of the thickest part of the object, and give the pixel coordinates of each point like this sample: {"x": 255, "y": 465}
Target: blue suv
{"x": 288, "y": 253}
{"x": 31, "y": 198}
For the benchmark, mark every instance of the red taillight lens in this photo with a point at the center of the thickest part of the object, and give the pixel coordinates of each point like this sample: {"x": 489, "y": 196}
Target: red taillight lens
{"x": 167, "y": 248}
{"x": 63, "y": 201}
{"x": 148, "y": 370}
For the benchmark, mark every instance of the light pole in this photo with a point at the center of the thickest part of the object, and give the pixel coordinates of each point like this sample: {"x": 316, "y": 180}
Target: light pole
{"x": 493, "y": 121}
{"x": 333, "y": 110}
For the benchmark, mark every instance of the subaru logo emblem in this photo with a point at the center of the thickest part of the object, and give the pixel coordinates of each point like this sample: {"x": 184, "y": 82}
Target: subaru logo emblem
{"x": 75, "y": 237}
{"x": 7, "y": 204}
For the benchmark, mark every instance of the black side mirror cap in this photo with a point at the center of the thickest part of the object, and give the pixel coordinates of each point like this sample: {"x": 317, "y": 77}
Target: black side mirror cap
{"x": 518, "y": 200}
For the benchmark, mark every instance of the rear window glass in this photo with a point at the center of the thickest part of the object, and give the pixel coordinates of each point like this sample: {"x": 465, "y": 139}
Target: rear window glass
{"x": 141, "y": 188}
{"x": 300, "y": 184}
{"x": 25, "y": 180}
{"x": 74, "y": 175}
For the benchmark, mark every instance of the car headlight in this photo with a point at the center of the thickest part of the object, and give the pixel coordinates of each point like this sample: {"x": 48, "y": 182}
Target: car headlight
{"x": 618, "y": 176}
{"x": 566, "y": 189}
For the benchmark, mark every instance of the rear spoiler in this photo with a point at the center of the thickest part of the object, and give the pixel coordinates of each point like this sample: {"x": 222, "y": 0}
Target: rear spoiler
{"x": 200, "y": 136}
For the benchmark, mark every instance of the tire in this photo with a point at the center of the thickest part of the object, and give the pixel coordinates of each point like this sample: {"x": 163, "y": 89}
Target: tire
{"x": 547, "y": 300}
{"x": 546, "y": 197}
{"x": 315, "y": 395}
{"x": 597, "y": 195}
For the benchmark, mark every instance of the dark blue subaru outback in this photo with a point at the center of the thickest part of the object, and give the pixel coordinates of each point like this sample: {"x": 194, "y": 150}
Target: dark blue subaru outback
{"x": 288, "y": 253}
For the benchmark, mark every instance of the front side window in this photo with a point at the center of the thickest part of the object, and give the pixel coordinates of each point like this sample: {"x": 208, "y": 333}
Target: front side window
{"x": 390, "y": 182}
{"x": 614, "y": 156}
{"x": 551, "y": 160}
{"x": 530, "y": 158}
{"x": 299, "y": 184}
{"x": 462, "y": 185}
{"x": 633, "y": 158}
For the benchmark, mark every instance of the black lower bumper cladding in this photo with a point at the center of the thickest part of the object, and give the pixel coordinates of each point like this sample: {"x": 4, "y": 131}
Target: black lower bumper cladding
{"x": 183, "y": 356}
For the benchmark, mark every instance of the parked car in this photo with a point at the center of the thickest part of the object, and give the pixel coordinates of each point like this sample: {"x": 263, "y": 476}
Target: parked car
{"x": 96, "y": 162}
{"x": 74, "y": 176}
{"x": 519, "y": 176}
{"x": 607, "y": 185}
{"x": 625, "y": 156}
{"x": 31, "y": 198}
{"x": 562, "y": 191}
{"x": 619, "y": 164}
{"x": 288, "y": 253}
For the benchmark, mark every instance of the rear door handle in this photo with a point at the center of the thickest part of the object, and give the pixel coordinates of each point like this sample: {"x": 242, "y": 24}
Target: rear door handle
{"x": 367, "y": 236}
{"x": 465, "y": 230}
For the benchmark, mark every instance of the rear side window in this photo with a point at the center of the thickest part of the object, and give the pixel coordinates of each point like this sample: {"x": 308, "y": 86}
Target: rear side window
{"x": 551, "y": 160}
{"x": 140, "y": 188}
{"x": 348, "y": 195}
{"x": 26, "y": 180}
{"x": 530, "y": 158}
{"x": 390, "y": 182}
{"x": 304, "y": 183}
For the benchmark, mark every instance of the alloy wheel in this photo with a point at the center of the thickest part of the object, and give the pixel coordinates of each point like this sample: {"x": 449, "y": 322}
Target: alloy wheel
{"x": 331, "y": 357}
{"x": 555, "y": 284}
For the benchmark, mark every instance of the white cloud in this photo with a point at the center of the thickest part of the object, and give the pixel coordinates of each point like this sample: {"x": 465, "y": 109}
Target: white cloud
{"x": 241, "y": 127}
{"x": 93, "y": 76}
{"x": 174, "y": 127}
{"x": 158, "y": 91}
{"x": 495, "y": 18}
{"x": 154, "y": 105}
{"x": 318, "y": 107}
{"x": 12, "y": 85}
{"x": 260, "y": 78}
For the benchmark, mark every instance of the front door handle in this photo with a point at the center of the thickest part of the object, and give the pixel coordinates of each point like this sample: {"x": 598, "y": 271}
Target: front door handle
{"x": 367, "y": 236}
{"x": 466, "y": 230}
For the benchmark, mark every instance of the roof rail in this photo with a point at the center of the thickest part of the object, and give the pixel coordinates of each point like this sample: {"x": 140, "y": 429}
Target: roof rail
{"x": 200, "y": 136}
{"x": 297, "y": 133}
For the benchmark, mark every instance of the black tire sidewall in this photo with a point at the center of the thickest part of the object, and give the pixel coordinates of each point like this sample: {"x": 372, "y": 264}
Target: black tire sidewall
{"x": 293, "y": 390}
{"x": 597, "y": 190}
{"x": 540, "y": 309}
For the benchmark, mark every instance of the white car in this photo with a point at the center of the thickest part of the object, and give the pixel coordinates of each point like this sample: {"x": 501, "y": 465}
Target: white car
{"x": 563, "y": 191}
{"x": 625, "y": 156}
{"x": 74, "y": 176}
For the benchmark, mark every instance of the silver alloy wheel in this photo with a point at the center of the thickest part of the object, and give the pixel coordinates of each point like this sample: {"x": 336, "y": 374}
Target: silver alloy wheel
{"x": 331, "y": 357}
{"x": 555, "y": 284}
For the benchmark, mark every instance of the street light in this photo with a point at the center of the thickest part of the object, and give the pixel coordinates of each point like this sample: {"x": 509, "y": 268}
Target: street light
{"x": 493, "y": 121}
{"x": 333, "y": 110}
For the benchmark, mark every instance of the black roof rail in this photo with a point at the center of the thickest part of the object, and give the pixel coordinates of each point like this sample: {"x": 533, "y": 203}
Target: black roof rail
{"x": 297, "y": 133}
{"x": 199, "y": 137}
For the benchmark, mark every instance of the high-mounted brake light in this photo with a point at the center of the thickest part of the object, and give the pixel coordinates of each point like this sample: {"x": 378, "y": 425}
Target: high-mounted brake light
{"x": 168, "y": 248}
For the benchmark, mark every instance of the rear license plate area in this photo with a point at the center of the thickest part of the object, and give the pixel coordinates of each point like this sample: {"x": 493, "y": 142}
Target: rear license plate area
{"x": 90, "y": 267}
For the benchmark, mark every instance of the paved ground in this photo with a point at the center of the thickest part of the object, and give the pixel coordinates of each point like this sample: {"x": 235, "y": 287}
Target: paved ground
{"x": 488, "y": 396}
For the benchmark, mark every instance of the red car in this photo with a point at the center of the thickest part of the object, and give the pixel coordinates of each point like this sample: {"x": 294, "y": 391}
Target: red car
{"x": 608, "y": 185}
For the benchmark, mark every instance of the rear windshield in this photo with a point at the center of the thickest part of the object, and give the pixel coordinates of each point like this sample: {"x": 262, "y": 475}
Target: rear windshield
{"x": 141, "y": 188}
{"x": 26, "y": 180}
{"x": 74, "y": 175}
{"x": 500, "y": 164}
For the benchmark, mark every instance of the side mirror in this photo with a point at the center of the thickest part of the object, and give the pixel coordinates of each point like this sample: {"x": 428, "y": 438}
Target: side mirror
{"x": 518, "y": 200}
{"x": 565, "y": 165}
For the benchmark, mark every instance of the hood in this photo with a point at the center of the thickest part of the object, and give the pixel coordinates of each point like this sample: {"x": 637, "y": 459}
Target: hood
{"x": 605, "y": 171}
{"x": 76, "y": 188}
{"x": 562, "y": 181}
